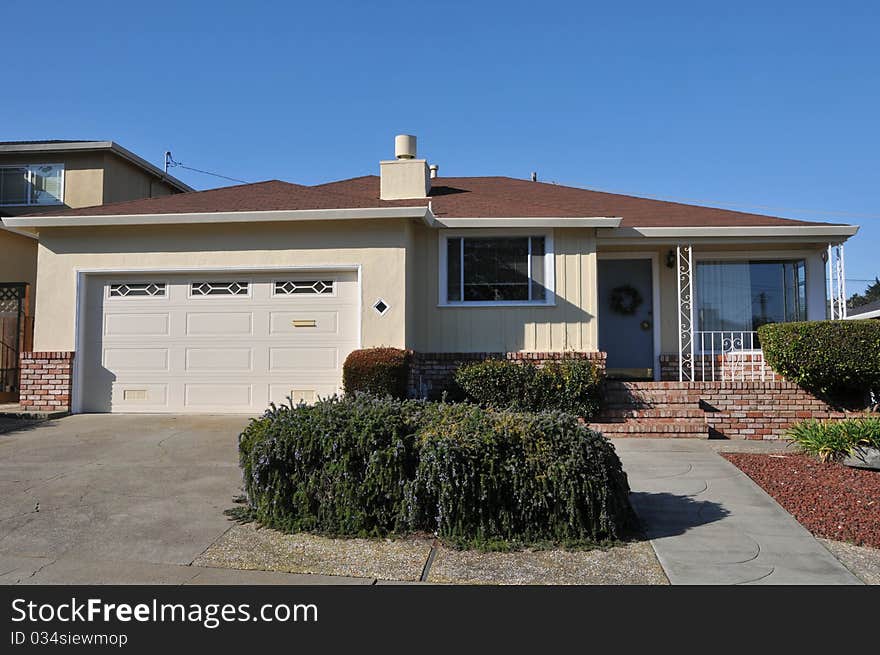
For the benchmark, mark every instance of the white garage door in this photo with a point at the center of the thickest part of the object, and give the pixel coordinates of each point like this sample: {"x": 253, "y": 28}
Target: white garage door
{"x": 215, "y": 342}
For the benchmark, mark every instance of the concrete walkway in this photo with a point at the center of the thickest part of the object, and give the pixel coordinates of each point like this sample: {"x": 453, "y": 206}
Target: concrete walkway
{"x": 710, "y": 524}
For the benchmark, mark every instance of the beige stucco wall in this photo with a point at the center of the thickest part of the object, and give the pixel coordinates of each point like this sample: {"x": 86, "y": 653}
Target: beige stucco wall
{"x": 18, "y": 262}
{"x": 569, "y": 325}
{"x": 815, "y": 274}
{"x": 125, "y": 181}
{"x": 377, "y": 246}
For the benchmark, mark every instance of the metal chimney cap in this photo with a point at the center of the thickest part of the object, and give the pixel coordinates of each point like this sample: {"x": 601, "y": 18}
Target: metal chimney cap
{"x": 435, "y": 170}
{"x": 405, "y": 146}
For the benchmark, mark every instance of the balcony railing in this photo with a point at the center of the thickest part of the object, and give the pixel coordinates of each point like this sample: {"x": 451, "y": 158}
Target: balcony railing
{"x": 729, "y": 356}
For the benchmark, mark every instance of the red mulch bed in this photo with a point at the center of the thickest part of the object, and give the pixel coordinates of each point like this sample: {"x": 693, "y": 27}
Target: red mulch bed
{"x": 830, "y": 500}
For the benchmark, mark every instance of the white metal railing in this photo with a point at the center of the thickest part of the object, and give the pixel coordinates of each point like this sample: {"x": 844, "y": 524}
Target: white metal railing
{"x": 728, "y": 356}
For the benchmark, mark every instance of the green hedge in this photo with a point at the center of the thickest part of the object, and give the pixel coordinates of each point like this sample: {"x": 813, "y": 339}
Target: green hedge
{"x": 569, "y": 385}
{"x": 377, "y": 371}
{"x": 835, "y": 358}
{"x": 363, "y": 465}
{"x": 337, "y": 466}
{"x": 487, "y": 476}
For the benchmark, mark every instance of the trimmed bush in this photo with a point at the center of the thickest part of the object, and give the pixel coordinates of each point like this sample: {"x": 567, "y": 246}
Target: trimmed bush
{"x": 834, "y": 358}
{"x": 569, "y": 385}
{"x": 367, "y": 466}
{"x": 338, "y": 466}
{"x": 834, "y": 440}
{"x": 486, "y": 478}
{"x": 377, "y": 371}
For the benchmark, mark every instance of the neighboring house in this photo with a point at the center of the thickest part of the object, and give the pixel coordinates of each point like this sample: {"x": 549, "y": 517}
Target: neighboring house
{"x": 225, "y": 300}
{"x": 47, "y": 176}
{"x": 870, "y": 310}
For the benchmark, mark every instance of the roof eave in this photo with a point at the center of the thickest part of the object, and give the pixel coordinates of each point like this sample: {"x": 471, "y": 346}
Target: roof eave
{"x": 528, "y": 222}
{"x": 832, "y": 232}
{"x": 38, "y": 221}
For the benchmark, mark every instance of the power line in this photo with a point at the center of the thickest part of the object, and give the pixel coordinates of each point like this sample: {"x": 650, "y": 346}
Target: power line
{"x": 171, "y": 163}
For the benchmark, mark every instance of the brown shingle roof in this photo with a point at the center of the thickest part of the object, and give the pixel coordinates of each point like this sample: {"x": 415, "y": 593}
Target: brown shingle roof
{"x": 451, "y": 197}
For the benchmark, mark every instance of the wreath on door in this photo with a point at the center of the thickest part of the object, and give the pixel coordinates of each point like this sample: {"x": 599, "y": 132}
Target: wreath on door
{"x": 626, "y": 300}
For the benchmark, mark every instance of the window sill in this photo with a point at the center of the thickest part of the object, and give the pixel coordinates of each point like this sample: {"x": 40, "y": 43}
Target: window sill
{"x": 477, "y": 305}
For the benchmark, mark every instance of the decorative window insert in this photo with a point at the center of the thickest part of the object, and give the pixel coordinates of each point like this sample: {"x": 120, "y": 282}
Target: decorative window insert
{"x": 496, "y": 270}
{"x": 304, "y": 287}
{"x": 138, "y": 290}
{"x": 199, "y": 289}
{"x": 35, "y": 184}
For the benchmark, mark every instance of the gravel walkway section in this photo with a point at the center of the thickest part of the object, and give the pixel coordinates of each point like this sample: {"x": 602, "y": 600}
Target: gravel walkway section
{"x": 633, "y": 563}
{"x": 829, "y": 499}
{"x": 251, "y": 548}
{"x": 862, "y": 561}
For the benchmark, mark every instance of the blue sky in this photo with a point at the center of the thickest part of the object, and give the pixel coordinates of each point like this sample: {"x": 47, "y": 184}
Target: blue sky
{"x": 764, "y": 106}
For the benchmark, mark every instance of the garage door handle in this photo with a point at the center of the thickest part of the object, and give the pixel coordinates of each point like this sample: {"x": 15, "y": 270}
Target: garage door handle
{"x": 310, "y": 323}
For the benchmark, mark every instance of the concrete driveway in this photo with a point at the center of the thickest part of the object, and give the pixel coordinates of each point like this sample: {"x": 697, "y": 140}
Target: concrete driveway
{"x": 121, "y": 499}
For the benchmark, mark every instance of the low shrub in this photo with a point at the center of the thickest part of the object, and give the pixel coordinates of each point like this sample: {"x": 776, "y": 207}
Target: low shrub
{"x": 368, "y": 466}
{"x": 488, "y": 477}
{"x": 840, "y": 359}
{"x": 569, "y": 385}
{"x": 833, "y": 440}
{"x": 377, "y": 371}
{"x": 338, "y": 466}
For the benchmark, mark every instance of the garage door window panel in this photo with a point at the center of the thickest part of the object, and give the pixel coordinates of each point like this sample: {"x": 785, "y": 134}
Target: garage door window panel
{"x": 222, "y": 288}
{"x": 286, "y": 288}
{"x": 137, "y": 290}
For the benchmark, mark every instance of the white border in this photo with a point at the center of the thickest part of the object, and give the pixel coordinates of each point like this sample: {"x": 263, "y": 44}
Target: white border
{"x": 81, "y": 292}
{"x": 655, "y": 297}
{"x": 549, "y": 267}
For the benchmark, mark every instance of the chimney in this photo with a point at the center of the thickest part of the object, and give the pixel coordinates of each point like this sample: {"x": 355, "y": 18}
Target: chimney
{"x": 405, "y": 177}
{"x": 435, "y": 170}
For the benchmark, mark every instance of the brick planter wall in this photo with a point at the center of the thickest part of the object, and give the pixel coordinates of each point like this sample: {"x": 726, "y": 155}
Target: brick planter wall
{"x": 431, "y": 373}
{"x": 46, "y": 380}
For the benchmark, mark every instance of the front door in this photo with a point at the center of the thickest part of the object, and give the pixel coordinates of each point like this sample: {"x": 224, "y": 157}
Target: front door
{"x": 626, "y": 317}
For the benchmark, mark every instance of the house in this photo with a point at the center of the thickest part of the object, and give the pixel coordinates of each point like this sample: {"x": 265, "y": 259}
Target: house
{"x": 871, "y": 310}
{"x": 46, "y": 176}
{"x": 225, "y": 300}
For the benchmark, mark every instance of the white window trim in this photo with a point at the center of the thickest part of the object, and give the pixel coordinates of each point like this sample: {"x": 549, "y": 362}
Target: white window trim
{"x": 549, "y": 267}
{"x": 30, "y": 183}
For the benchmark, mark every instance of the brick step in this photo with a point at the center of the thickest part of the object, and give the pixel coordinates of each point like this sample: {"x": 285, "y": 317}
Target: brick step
{"x": 650, "y": 402}
{"x": 686, "y": 429}
{"x": 614, "y": 414}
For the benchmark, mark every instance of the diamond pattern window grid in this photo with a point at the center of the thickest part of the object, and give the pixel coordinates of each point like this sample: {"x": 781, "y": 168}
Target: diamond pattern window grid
{"x": 219, "y": 288}
{"x": 137, "y": 290}
{"x": 296, "y": 287}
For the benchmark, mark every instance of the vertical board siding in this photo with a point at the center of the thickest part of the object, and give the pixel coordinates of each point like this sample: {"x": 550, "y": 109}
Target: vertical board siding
{"x": 570, "y": 325}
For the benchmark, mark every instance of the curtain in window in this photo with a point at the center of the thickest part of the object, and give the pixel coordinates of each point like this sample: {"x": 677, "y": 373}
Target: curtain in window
{"x": 742, "y": 296}
{"x": 724, "y": 295}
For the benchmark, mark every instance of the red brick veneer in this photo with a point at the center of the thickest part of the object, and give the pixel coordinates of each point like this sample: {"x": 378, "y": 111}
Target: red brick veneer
{"x": 743, "y": 410}
{"x": 703, "y": 368}
{"x": 46, "y": 381}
